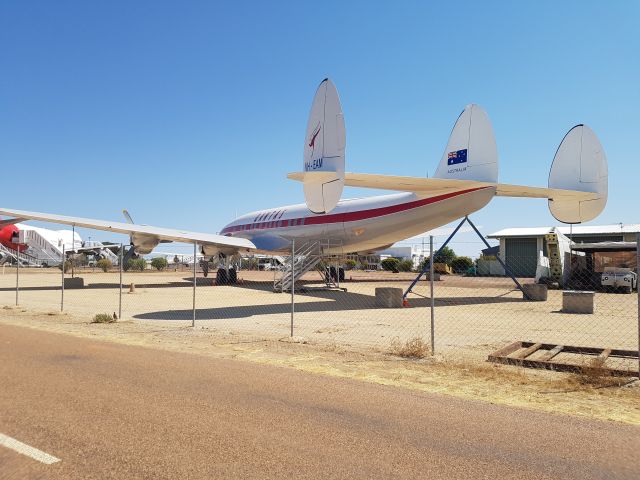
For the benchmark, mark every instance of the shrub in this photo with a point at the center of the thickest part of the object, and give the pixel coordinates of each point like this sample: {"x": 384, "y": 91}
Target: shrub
{"x": 103, "y": 318}
{"x": 422, "y": 264}
{"x": 136, "y": 264}
{"x": 159, "y": 263}
{"x": 413, "y": 348}
{"x": 104, "y": 264}
{"x": 446, "y": 255}
{"x": 390, "y": 264}
{"x": 67, "y": 266}
{"x": 461, "y": 264}
{"x": 350, "y": 264}
{"x": 405, "y": 265}
{"x": 249, "y": 263}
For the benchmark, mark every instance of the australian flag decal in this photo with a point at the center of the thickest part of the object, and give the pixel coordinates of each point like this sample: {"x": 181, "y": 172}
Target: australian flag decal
{"x": 459, "y": 156}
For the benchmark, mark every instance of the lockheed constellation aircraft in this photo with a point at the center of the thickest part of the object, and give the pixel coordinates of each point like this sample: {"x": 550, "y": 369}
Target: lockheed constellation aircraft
{"x": 464, "y": 182}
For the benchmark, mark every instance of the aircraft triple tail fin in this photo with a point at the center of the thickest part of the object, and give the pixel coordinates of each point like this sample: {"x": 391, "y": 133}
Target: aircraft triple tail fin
{"x": 577, "y": 190}
{"x": 324, "y": 146}
{"x": 580, "y": 164}
{"x": 471, "y": 152}
{"x": 578, "y": 181}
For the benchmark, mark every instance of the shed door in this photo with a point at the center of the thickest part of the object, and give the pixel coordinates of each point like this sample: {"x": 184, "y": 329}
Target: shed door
{"x": 521, "y": 256}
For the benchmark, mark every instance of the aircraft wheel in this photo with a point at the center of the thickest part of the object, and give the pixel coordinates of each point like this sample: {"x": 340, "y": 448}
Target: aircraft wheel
{"x": 233, "y": 276}
{"x": 221, "y": 277}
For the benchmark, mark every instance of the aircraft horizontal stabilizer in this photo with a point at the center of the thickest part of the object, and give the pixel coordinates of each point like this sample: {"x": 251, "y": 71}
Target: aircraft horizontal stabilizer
{"x": 557, "y": 194}
{"x": 437, "y": 186}
{"x": 312, "y": 177}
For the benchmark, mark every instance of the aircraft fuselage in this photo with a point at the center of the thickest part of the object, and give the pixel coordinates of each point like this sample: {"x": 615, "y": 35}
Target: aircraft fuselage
{"x": 357, "y": 225}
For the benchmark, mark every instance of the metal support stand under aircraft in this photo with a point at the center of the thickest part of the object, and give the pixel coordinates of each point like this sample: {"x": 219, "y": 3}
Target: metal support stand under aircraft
{"x": 425, "y": 268}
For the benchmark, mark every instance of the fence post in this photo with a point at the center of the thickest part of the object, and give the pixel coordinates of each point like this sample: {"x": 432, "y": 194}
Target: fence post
{"x": 17, "y": 272}
{"x": 62, "y": 280}
{"x": 638, "y": 271}
{"x": 195, "y": 251}
{"x": 433, "y": 303}
{"x": 120, "y": 260}
{"x": 293, "y": 281}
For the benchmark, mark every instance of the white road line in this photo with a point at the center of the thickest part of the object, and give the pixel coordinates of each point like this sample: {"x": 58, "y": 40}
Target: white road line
{"x": 25, "y": 449}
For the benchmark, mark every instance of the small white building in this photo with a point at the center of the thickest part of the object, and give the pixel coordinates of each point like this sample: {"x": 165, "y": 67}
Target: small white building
{"x": 521, "y": 248}
{"x": 415, "y": 253}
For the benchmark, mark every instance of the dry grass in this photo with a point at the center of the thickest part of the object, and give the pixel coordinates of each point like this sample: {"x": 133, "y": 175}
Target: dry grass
{"x": 412, "y": 348}
{"x": 594, "y": 373}
{"x": 103, "y": 318}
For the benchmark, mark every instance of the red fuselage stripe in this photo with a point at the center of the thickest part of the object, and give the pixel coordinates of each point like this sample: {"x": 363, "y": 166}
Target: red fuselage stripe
{"x": 379, "y": 212}
{"x": 349, "y": 216}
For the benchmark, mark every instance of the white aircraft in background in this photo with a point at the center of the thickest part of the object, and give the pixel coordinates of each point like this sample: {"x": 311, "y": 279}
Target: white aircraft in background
{"x": 465, "y": 181}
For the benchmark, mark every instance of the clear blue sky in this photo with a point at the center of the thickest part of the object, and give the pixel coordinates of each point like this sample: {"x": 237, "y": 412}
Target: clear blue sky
{"x": 187, "y": 113}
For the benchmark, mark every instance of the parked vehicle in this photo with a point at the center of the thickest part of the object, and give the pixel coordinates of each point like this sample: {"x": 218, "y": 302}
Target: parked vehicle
{"x": 619, "y": 278}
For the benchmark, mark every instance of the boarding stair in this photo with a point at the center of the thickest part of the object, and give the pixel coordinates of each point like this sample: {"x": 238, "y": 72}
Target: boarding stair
{"x": 307, "y": 257}
{"x": 9, "y": 255}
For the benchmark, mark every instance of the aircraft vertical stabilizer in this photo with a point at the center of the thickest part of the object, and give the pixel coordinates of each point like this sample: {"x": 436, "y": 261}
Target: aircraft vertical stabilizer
{"x": 324, "y": 147}
{"x": 579, "y": 164}
{"x": 471, "y": 152}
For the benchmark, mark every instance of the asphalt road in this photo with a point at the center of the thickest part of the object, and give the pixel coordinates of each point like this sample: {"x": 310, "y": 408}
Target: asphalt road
{"x": 115, "y": 411}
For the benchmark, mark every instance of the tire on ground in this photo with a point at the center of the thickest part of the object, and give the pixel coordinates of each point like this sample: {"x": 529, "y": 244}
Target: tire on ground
{"x": 221, "y": 277}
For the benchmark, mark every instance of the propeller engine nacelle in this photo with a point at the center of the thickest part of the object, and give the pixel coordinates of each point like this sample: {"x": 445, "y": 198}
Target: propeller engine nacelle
{"x": 215, "y": 250}
{"x": 143, "y": 244}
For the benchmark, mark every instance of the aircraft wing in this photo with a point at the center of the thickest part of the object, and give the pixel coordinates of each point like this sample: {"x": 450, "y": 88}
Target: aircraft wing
{"x": 141, "y": 230}
{"x": 434, "y": 186}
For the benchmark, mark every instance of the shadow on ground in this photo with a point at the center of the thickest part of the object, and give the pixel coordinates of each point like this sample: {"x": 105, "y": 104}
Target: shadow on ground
{"x": 331, "y": 301}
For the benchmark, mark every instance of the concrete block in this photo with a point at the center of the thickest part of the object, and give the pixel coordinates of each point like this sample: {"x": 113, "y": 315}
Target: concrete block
{"x": 536, "y": 292}
{"x": 575, "y": 301}
{"x": 388, "y": 297}
{"x": 75, "y": 282}
{"x": 436, "y": 277}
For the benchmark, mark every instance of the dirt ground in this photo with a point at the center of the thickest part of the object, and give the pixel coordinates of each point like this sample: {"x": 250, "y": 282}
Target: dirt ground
{"x": 345, "y": 334}
{"x": 606, "y": 398}
{"x": 473, "y": 316}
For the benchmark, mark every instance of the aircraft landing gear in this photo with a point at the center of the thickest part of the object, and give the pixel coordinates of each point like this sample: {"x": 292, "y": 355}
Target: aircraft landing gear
{"x": 204, "y": 264}
{"x": 226, "y": 277}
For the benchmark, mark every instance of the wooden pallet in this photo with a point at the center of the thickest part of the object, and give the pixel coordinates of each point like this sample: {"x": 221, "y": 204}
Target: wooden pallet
{"x": 517, "y": 353}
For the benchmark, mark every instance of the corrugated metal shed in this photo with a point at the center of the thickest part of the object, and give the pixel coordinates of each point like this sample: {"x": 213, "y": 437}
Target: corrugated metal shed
{"x": 591, "y": 230}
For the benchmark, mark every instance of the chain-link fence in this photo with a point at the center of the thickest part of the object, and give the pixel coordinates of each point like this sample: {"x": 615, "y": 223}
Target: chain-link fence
{"x": 584, "y": 305}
